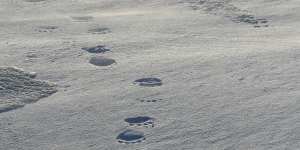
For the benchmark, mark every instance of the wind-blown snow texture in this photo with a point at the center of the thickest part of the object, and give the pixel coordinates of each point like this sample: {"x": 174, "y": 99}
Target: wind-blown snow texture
{"x": 229, "y": 71}
{"x": 18, "y": 87}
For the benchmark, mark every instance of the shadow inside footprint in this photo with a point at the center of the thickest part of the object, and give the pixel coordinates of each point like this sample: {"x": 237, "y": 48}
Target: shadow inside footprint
{"x": 131, "y": 137}
{"x": 96, "y": 49}
{"x": 140, "y": 121}
{"x": 150, "y": 82}
{"x": 101, "y": 61}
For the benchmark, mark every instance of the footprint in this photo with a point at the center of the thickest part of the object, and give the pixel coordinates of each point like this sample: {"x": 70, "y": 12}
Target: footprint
{"x": 262, "y": 23}
{"x": 31, "y": 55}
{"x": 82, "y": 18}
{"x": 96, "y": 49}
{"x": 227, "y": 10}
{"x": 131, "y": 136}
{"x": 149, "y": 82}
{"x": 46, "y": 28}
{"x": 101, "y": 61}
{"x": 250, "y": 19}
{"x": 149, "y": 100}
{"x": 152, "y": 98}
{"x": 262, "y": 20}
{"x": 99, "y": 30}
{"x": 259, "y": 26}
{"x": 140, "y": 121}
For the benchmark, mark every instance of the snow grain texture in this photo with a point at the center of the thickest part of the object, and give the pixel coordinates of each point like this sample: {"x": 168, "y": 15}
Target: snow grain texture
{"x": 226, "y": 9}
{"x": 18, "y": 88}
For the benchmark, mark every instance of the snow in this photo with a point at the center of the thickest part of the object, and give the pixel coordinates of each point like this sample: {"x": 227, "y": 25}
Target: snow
{"x": 229, "y": 81}
{"x": 19, "y": 87}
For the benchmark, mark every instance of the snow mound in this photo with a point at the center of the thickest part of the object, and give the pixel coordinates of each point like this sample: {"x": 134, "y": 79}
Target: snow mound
{"x": 18, "y": 88}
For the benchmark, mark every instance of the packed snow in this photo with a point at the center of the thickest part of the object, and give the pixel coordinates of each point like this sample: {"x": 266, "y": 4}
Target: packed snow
{"x": 150, "y": 74}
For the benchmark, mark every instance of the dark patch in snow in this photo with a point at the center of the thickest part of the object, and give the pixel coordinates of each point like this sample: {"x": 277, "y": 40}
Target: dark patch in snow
{"x": 96, "y": 49}
{"x": 251, "y": 19}
{"x": 149, "y": 100}
{"x": 101, "y": 61}
{"x": 140, "y": 121}
{"x": 131, "y": 137}
{"x": 150, "y": 82}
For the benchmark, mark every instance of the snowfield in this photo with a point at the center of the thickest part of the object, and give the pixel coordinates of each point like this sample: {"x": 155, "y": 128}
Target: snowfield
{"x": 150, "y": 75}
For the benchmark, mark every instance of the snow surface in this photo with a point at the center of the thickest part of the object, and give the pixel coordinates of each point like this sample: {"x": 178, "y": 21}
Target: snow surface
{"x": 17, "y": 88}
{"x": 229, "y": 68}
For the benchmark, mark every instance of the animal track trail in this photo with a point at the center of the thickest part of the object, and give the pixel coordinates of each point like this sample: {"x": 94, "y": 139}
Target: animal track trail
{"x": 144, "y": 121}
{"x": 131, "y": 137}
{"x": 226, "y": 9}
